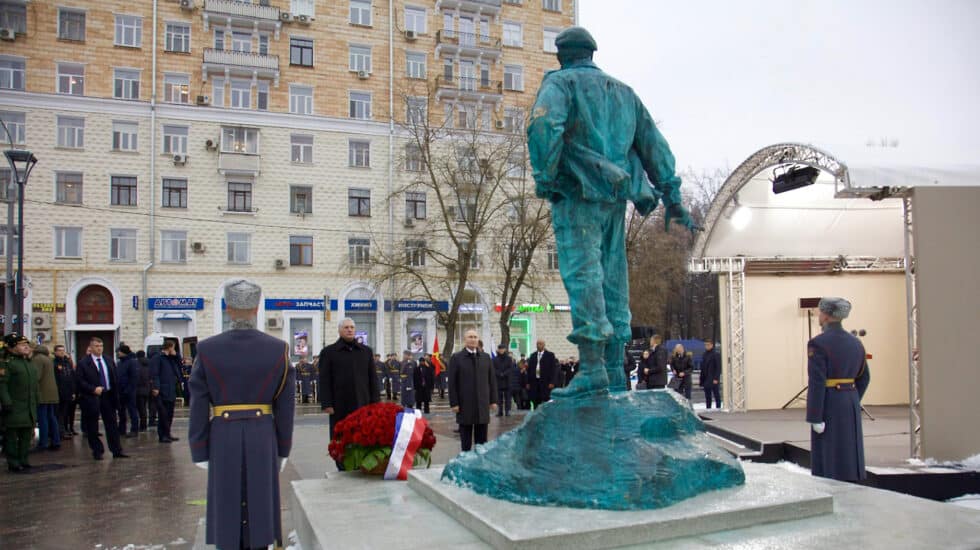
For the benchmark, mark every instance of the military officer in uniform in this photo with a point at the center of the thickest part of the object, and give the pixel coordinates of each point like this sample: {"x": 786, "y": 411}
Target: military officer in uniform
{"x": 838, "y": 378}
{"x": 243, "y": 392}
{"x": 407, "y": 376}
{"x": 18, "y": 401}
{"x": 394, "y": 375}
{"x": 306, "y": 374}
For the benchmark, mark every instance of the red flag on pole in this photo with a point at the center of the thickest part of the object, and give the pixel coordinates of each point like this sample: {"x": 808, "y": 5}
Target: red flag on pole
{"x": 436, "y": 362}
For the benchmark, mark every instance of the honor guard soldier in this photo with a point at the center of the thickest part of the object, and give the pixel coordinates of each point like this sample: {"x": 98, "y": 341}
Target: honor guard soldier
{"x": 18, "y": 401}
{"x": 838, "y": 371}
{"x": 241, "y": 424}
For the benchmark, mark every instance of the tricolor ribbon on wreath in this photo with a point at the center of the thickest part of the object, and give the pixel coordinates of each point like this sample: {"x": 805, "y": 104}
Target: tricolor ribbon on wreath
{"x": 409, "y": 428}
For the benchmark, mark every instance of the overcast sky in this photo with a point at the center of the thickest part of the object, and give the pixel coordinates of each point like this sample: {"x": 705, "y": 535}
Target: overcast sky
{"x": 726, "y": 77}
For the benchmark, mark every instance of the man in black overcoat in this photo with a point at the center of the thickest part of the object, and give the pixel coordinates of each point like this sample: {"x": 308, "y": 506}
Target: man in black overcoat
{"x": 347, "y": 377}
{"x": 98, "y": 391}
{"x": 425, "y": 379}
{"x": 164, "y": 376}
{"x": 472, "y": 391}
{"x": 241, "y": 424}
{"x": 654, "y": 365}
{"x": 504, "y": 367}
{"x": 838, "y": 378}
{"x": 543, "y": 372}
{"x": 711, "y": 373}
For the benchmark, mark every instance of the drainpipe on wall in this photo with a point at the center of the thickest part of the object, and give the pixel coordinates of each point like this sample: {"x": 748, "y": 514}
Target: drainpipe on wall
{"x": 153, "y": 171}
{"x": 391, "y": 168}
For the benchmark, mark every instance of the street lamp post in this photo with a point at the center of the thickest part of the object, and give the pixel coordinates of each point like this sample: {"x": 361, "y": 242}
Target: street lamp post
{"x": 21, "y": 162}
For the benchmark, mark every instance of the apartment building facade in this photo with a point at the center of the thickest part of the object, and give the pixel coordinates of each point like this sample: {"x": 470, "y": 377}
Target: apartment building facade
{"x": 185, "y": 144}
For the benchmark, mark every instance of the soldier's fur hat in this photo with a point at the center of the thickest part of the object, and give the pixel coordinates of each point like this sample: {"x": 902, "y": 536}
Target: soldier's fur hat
{"x": 838, "y": 308}
{"x": 242, "y": 294}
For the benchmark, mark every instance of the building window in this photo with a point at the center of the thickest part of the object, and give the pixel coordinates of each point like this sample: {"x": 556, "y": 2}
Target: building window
{"x": 67, "y": 242}
{"x": 262, "y": 95}
{"x": 302, "y": 148}
{"x": 219, "y": 39}
{"x": 417, "y": 110}
{"x": 515, "y": 165}
{"x": 358, "y": 202}
{"x": 360, "y": 58}
{"x": 359, "y": 153}
{"x": 68, "y": 187}
{"x": 301, "y": 250}
{"x": 552, "y": 252}
{"x": 551, "y": 5}
{"x": 264, "y": 44}
{"x": 239, "y": 196}
{"x": 175, "y": 140}
{"x": 16, "y": 124}
{"x": 549, "y": 40}
{"x": 3, "y": 242}
{"x": 360, "y": 105}
{"x": 71, "y": 25}
{"x": 415, "y": 65}
{"x": 14, "y": 16}
{"x": 71, "y": 78}
{"x": 122, "y": 245}
{"x": 173, "y": 246}
{"x": 239, "y": 140}
{"x": 241, "y": 94}
{"x": 126, "y": 84}
{"x": 218, "y": 92}
{"x": 513, "y": 34}
{"x": 415, "y": 253}
{"x": 513, "y": 120}
{"x": 474, "y": 257}
{"x": 514, "y": 77}
{"x": 129, "y": 31}
{"x": 301, "y": 7}
{"x": 360, "y": 12}
{"x": 358, "y": 251}
{"x": 241, "y": 42}
{"x": 178, "y": 37}
{"x": 301, "y": 100}
{"x": 415, "y": 19}
{"x": 415, "y": 205}
{"x": 124, "y": 136}
{"x": 301, "y": 52}
{"x": 413, "y": 158}
{"x": 123, "y": 191}
{"x": 239, "y": 248}
{"x": 300, "y": 199}
{"x": 177, "y": 88}
{"x": 11, "y": 73}
{"x": 174, "y": 193}
{"x": 6, "y": 182}
{"x": 71, "y": 132}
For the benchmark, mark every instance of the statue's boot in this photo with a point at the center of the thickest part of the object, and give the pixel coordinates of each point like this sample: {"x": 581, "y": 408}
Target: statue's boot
{"x": 615, "y": 355}
{"x": 591, "y": 377}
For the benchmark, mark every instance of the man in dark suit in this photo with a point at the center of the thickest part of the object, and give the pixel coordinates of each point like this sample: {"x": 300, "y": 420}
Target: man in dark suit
{"x": 543, "y": 371}
{"x": 98, "y": 389}
{"x": 165, "y": 374}
{"x": 347, "y": 377}
{"x": 241, "y": 424}
{"x": 504, "y": 367}
{"x": 654, "y": 364}
{"x": 838, "y": 378}
{"x": 711, "y": 373}
{"x": 472, "y": 391}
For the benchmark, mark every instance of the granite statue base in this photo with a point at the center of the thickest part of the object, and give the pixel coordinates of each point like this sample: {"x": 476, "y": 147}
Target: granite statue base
{"x": 619, "y": 451}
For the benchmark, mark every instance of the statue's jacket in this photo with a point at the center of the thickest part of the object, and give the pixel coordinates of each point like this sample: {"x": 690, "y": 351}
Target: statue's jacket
{"x": 590, "y": 138}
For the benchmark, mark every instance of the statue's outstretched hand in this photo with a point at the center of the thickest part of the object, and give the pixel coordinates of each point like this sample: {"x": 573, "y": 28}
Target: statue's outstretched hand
{"x": 680, "y": 215}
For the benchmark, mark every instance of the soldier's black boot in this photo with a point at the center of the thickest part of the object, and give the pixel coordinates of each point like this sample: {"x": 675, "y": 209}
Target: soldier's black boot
{"x": 591, "y": 377}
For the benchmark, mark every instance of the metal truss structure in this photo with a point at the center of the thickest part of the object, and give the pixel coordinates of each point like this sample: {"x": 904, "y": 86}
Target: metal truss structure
{"x": 915, "y": 388}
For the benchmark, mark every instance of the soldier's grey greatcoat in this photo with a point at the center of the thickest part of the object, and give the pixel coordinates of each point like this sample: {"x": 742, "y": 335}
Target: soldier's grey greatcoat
{"x": 243, "y": 449}
{"x": 838, "y": 452}
{"x": 472, "y": 387}
{"x": 408, "y": 383}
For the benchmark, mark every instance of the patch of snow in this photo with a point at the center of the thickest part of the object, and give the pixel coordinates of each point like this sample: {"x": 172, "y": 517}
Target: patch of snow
{"x": 293, "y": 541}
{"x": 889, "y": 471}
{"x": 971, "y": 501}
{"x": 969, "y": 463}
{"x": 792, "y": 467}
{"x": 179, "y": 541}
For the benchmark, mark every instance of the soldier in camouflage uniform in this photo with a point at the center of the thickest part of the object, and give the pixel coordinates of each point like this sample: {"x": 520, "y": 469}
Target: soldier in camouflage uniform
{"x": 18, "y": 400}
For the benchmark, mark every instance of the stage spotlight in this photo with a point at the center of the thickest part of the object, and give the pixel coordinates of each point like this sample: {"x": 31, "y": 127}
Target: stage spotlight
{"x": 738, "y": 215}
{"x": 794, "y": 178}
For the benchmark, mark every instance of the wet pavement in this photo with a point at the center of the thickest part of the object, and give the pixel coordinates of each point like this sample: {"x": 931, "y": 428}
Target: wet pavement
{"x": 156, "y": 498}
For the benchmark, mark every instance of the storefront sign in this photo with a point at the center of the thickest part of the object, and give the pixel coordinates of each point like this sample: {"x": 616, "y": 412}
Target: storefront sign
{"x": 360, "y": 305}
{"x": 48, "y": 307}
{"x": 421, "y": 305}
{"x": 305, "y": 304}
{"x": 523, "y": 308}
{"x": 559, "y": 307}
{"x": 175, "y": 303}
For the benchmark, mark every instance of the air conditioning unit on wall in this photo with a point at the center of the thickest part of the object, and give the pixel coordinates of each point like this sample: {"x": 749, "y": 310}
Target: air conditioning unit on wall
{"x": 187, "y": 5}
{"x": 273, "y": 322}
{"x": 280, "y": 264}
{"x": 41, "y": 321}
{"x": 180, "y": 159}
{"x": 285, "y": 16}
{"x": 411, "y": 35}
{"x": 8, "y": 34}
{"x": 363, "y": 75}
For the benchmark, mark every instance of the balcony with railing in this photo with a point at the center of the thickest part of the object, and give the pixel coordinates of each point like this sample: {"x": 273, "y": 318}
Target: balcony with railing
{"x": 491, "y": 7}
{"x": 236, "y": 12}
{"x": 466, "y": 87}
{"x": 238, "y": 164}
{"x": 484, "y": 46}
{"x": 231, "y": 63}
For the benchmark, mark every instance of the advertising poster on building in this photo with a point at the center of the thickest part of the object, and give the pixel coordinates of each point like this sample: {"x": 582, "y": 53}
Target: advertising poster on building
{"x": 301, "y": 347}
{"x": 416, "y": 341}
{"x": 361, "y": 336}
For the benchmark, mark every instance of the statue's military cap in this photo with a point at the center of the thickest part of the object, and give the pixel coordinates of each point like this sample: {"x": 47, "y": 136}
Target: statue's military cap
{"x": 575, "y": 38}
